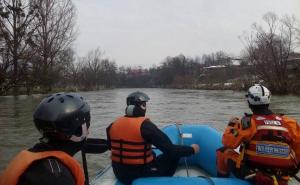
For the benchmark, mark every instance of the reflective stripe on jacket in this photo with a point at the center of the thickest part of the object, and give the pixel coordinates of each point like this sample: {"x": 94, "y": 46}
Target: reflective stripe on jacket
{"x": 127, "y": 144}
{"x": 270, "y": 147}
{"x": 25, "y": 158}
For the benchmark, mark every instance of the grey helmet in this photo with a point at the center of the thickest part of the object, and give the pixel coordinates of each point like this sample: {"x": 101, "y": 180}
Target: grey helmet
{"x": 137, "y": 98}
{"x": 136, "y": 103}
{"x": 63, "y": 116}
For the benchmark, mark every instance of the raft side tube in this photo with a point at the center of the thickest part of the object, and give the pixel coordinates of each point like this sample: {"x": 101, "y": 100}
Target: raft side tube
{"x": 189, "y": 181}
{"x": 208, "y": 139}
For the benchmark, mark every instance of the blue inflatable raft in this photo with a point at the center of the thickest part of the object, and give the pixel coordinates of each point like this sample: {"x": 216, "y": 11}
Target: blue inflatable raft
{"x": 200, "y": 167}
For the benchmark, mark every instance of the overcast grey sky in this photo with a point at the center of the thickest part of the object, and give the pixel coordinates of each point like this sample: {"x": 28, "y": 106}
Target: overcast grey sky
{"x": 144, "y": 32}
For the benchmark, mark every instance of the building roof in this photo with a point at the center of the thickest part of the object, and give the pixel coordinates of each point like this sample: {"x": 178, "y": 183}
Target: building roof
{"x": 215, "y": 67}
{"x": 294, "y": 56}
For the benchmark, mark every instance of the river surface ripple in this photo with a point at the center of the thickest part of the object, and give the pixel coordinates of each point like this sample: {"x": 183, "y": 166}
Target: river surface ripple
{"x": 166, "y": 106}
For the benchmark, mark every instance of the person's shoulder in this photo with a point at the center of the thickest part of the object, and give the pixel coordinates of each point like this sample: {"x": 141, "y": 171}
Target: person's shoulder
{"x": 288, "y": 119}
{"x": 147, "y": 121}
{"x": 148, "y": 124}
{"x": 108, "y": 127}
{"x": 49, "y": 171}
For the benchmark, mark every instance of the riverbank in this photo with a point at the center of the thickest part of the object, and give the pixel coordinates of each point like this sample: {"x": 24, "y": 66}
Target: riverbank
{"x": 38, "y": 90}
{"x": 211, "y": 86}
{"x": 203, "y": 86}
{"x": 227, "y": 86}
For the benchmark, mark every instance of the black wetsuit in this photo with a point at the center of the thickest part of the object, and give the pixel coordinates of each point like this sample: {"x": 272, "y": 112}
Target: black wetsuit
{"x": 49, "y": 171}
{"x": 163, "y": 165}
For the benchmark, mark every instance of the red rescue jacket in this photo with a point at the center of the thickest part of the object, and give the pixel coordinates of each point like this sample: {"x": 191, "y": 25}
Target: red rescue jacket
{"x": 270, "y": 147}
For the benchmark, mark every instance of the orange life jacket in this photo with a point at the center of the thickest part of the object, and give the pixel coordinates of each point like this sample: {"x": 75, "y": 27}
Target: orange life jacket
{"x": 270, "y": 147}
{"x": 127, "y": 144}
{"x": 25, "y": 158}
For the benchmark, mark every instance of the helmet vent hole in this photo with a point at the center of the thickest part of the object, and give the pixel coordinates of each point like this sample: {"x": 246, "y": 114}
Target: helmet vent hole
{"x": 50, "y": 100}
{"x": 61, "y": 100}
{"x": 58, "y": 94}
{"x": 81, "y": 97}
{"x": 70, "y": 96}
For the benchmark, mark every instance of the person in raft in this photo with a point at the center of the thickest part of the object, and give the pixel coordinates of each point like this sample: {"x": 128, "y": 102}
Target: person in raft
{"x": 130, "y": 138}
{"x": 269, "y": 143}
{"x": 63, "y": 119}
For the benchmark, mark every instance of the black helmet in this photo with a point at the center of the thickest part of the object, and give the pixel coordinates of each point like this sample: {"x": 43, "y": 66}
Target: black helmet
{"x": 62, "y": 116}
{"x": 136, "y": 98}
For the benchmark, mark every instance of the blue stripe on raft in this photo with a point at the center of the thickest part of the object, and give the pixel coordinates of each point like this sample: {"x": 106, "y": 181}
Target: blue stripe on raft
{"x": 188, "y": 181}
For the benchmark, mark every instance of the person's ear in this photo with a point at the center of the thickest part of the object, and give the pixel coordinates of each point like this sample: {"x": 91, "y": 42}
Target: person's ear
{"x": 129, "y": 110}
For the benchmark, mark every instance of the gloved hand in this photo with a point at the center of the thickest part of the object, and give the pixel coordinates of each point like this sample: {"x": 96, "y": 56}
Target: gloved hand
{"x": 233, "y": 121}
{"x": 196, "y": 148}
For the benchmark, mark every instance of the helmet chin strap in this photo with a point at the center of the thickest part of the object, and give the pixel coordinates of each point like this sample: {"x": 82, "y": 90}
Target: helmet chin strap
{"x": 84, "y": 134}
